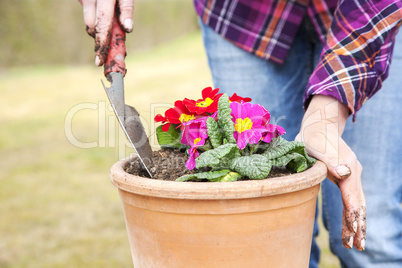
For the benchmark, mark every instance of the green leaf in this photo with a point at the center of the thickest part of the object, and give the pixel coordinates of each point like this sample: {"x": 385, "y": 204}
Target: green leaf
{"x": 214, "y": 158}
{"x": 206, "y": 147}
{"x": 275, "y": 142}
{"x": 168, "y": 139}
{"x": 295, "y": 162}
{"x": 225, "y": 119}
{"x": 214, "y": 132}
{"x": 255, "y": 167}
{"x": 281, "y": 147}
{"x": 231, "y": 176}
{"x": 310, "y": 160}
{"x": 290, "y": 154}
{"x": 211, "y": 176}
{"x": 298, "y": 163}
{"x": 282, "y": 161}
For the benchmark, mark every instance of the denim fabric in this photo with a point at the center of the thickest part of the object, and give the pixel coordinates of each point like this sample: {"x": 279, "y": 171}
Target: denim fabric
{"x": 278, "y": 88}
{"x": 376, "y": 138}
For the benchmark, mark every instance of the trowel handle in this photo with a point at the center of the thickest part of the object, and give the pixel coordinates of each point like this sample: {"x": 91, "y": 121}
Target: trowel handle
{"x": 117, "y": 50}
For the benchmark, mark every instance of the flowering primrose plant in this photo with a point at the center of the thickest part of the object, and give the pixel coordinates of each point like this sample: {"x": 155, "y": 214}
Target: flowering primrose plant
{"x": 228, "y": 138}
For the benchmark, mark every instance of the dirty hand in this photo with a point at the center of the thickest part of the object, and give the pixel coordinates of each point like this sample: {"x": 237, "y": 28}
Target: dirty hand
{"x": 98, "y": 18}
{"x": 321, "y": 131}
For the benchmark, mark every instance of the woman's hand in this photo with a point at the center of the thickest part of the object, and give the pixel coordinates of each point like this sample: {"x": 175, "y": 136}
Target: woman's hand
{"x": 98, "y": 18}
{"x": 321, "y": 131}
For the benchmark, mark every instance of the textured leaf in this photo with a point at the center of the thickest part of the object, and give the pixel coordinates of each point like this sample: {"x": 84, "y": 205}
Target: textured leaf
{"x": 225, "y": 119}
{"x": 310, "y": 160}
{"x": 281, "y": 148}
{"x": 214, "y": 157}
{"x": 298, "y": 163}
{"x": 206, "y": 147}
{"x": 255, "y": 167}
{"x": 282, "y": 161}
{"x": 275, "y": 142}
{"x": 214, "y": 132}
{"x": 293, "y": 161}
{"x": 169, "y": 139}
{"x": 290, "y": 154}
{"x": 211, "y": 176}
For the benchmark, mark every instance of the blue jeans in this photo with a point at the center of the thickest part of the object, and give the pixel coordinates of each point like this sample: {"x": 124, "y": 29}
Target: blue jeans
{"x": 376, "y": 138}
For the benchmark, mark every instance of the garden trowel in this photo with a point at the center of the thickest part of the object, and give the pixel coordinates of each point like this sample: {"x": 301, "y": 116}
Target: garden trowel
{"x": 128, "y": 117}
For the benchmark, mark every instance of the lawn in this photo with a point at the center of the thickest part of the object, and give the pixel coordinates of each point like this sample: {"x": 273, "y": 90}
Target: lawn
{"x": 58, "y": 140}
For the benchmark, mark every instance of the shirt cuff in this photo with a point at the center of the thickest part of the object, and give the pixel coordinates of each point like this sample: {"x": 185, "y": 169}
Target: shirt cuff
{"x": 344, "y": 78}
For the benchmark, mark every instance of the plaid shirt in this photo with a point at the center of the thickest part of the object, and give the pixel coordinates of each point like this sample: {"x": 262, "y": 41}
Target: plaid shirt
{"x": 357, "y": 35}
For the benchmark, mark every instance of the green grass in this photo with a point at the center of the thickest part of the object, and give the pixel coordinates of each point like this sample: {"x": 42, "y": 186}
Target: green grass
{"x": 57, "y": 205}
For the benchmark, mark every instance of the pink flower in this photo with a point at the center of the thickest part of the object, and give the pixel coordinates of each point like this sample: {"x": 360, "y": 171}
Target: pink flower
{"x": 272, "y": 131}
{"x": 248, "y": 121}
{"x": 193, "y": 154}
{"x": 194, "y": 134}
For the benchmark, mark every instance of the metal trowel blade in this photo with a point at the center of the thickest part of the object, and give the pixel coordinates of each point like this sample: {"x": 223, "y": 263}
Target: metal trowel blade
{"x": 129, "y": 119}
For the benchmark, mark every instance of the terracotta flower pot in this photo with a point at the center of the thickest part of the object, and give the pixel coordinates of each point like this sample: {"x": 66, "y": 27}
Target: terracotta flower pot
{"x": 260, "y": 223}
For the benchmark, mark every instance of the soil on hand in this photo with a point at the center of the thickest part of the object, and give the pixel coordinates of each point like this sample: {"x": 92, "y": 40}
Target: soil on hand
{"x": 170, "y": 164}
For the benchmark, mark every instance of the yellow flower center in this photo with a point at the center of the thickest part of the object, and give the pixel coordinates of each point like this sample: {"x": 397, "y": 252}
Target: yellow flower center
{"x": 197, "y": 140}
{"x": 186, "y": 117}
{"x": 204, "y": 103}
{"x": 243, "y": 124}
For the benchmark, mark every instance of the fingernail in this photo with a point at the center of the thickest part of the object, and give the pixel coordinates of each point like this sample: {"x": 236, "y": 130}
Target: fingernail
{"x": 128, "y": 24}
{"x": 343, "y": 171}
{"x": 97, "y": 61}
{"x": 355, "y": 226}
{"x": 363, "y": 244}
{"x": 350, "y": 243}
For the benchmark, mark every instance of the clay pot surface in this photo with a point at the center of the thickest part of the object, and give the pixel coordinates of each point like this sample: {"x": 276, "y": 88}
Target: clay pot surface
{"x": 258, "y": 223}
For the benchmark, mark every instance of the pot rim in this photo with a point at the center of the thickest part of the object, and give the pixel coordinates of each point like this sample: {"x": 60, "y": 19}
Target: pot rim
{"x": 215, "y": 190}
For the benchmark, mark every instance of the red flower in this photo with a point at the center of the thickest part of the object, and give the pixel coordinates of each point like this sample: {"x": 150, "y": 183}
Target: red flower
{"x": 236, "y": 98}
{"x": 208, "y": 103}
{"x": 176, "y": 115}
{"x": 187, "y": 109}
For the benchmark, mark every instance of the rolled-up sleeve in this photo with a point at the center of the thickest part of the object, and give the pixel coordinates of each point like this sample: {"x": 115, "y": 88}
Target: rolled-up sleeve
{"x": 356, "y": 57}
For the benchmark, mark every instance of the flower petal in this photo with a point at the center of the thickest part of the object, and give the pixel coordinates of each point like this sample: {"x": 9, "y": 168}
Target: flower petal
{"x": 236, "y": 110}
{"x": 193, "y": 130}
{"x": 273, "y": 131}
{"x": 206, "y": 92}
{"x": 255, "y": 113}
{"x": 213, "y": 107}
{"x": 254, "y": 137}
{"x": 214, "y": 92}
{"x": 236, "y": 98}
{"x": 242, "y": 140}
{"x": 173, "y": 115}
{"x": 280, "y": 130}
{"x": 180, "y": 105}
{"x": 266, "y": 117}
{"x": 166, "y": 127}
{"x": 268, "y": 137}
{"x": 193, "y": 154}
{"x": 159, "y": 118}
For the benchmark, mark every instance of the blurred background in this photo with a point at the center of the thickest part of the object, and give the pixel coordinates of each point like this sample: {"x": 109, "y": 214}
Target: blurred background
{"x": 59, "y": 138}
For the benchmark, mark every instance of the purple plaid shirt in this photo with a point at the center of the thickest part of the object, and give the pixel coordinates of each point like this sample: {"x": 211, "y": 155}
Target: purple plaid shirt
{"x": 357, "y": 35}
